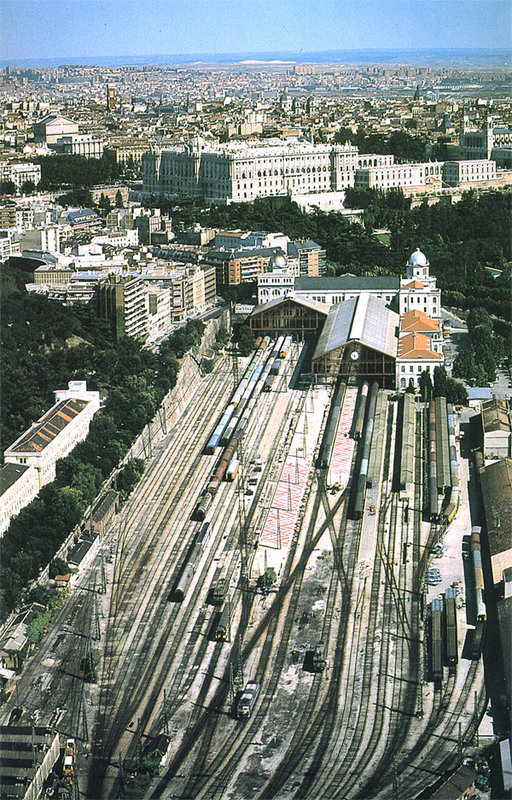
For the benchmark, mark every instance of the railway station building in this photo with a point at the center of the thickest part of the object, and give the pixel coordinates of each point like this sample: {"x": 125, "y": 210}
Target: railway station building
{"x": 298, "y": 316}
{"x": 359, "y": 338}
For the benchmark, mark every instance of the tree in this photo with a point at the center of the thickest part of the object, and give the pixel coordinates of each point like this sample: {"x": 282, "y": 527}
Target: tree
{"x": 58, "y": 567}
{"x": 79, "y": 196}
{"x": 129, "y": 476}
{"x": 456, "y": 392}
{"x": 27, "y": 187}
{"x": 104, "y": 205}
{"x": 119, "y": 199}
{"x": 439, "y": 382}
{"x": 246, "y": 339}
{"x": 425, "y": 385}
{"x": 7, "y": 187}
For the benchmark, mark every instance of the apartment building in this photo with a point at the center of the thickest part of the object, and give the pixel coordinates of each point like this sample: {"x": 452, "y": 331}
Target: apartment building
{"x": 20, "y": 173}
{"x": 52, "y": 437}
{"x": 122, "y": 301}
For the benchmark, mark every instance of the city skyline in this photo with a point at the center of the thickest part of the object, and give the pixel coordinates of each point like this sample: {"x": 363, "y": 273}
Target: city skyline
{"x": 128, "y": 28}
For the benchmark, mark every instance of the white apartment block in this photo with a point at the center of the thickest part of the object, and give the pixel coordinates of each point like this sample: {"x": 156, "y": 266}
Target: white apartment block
{"x": 19, "y": 485}
{"x": 159, "y": 311}
{"x": 45, "y": 238}
{"x": 9, "y": 244}
{"x": 56, "y": 433}
{"x": 19, "y": 173}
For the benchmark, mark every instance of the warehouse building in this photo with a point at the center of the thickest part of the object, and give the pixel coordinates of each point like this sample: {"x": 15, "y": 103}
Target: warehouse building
{"x": 496, "y": 428}
{"x": 496, "y": 481}
{"x": 27, "y": 756}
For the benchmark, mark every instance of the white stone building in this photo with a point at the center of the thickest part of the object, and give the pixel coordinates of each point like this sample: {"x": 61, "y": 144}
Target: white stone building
{"x": 52, "y": 437}
{"x": 414, "y": 356}
{"x": 19, "y": 485}
{"x": 20, "y": 173}
{"x": 459, "y": 173}
{"x": 239, "y": 171}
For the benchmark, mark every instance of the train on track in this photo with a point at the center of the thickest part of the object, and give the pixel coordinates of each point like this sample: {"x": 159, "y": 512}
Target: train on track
{"x": 444, "y": 650}
{"x": 453, "y": 503}
{"x": 443, "y": 470}
{"x": 236, "y": 417}
{"x": 222, "y": 623}
{"x": 367, "y": 431}
{"x": 450, "y": 616}
{"x": 408, "y": 429}
{"x": 194, "y": 555}
{"x": 361, "y": 408}
{"x": 436, "y": 641}
{"x": 318, "y": 660}
{"x": 218, "y": 591}
{"x": 245, "y": 704}
{"x": 480, "y": 608}
{"x": 216, "y": 479}
{"x": 331, "y": 428}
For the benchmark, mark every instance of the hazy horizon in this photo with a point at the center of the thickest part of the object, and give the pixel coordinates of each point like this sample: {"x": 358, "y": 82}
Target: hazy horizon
{"x": 79, "y": 30}
{"x": 469, "y": 56}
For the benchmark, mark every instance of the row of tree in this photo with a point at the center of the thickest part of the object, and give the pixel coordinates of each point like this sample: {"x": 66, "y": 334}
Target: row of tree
{"x": 480, "y": 360}
{"x": 65, "y": 170}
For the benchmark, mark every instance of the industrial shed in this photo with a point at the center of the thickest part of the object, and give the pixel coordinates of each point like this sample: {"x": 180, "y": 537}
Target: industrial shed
{"x": 496, "y": 480}
{"x": 359, "y": 338}
{"x": 299, "y": 317}
{"x": 497, "y": 429}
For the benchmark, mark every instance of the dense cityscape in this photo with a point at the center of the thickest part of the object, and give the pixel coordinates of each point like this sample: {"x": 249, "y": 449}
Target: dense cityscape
{"x": 256, "y": 490}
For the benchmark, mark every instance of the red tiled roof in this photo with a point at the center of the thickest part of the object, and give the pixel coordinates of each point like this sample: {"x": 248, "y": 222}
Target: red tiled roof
{"x": 416, "y": 345}
{"x": 417, "y": 320}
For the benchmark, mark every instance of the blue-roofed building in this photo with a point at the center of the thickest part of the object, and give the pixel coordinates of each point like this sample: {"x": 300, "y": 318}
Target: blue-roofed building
{"x": 84, "y": 219}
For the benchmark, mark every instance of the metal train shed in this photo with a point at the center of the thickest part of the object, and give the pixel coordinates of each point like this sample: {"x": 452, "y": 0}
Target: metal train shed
{"x": 359, "y": 339}
{"x": 299, "y": 317}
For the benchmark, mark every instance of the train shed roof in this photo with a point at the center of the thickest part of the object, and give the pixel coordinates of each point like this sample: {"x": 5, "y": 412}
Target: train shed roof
{"x": 495, "y": 416}
{"x": 314, "y": 305}
{"x": 364, "y": 319}
{"x": 497, "y": 496}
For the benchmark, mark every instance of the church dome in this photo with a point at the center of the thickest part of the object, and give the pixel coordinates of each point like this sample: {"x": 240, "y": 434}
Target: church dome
{"x": 279, "y": 261}
{"x": 418, "y": 259}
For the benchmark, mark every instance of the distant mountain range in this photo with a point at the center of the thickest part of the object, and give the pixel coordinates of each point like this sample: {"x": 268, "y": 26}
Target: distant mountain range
{"x": 483, "y": 57}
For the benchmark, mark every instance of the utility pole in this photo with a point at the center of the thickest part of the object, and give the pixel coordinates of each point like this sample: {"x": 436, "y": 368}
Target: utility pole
{"x": 239, "y": 677}
{"x": 165, "y": 715}
{"x": 395, "y": 781}
{"x": 85, "y": 727}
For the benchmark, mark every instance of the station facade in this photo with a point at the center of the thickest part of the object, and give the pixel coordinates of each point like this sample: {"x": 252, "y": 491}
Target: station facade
{"x": 372, "y": 327}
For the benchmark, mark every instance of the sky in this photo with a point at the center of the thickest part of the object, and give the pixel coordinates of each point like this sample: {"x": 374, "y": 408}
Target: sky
{"x": 89, "y": 28}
